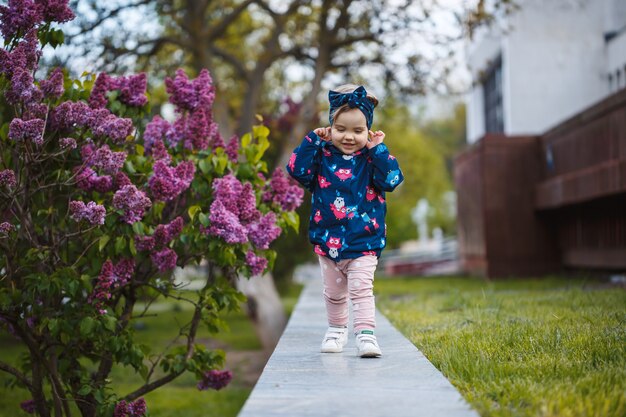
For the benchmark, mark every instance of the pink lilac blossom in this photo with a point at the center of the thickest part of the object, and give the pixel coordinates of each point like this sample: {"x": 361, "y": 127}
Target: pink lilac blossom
{"x": 6, "y": 228}
{"x": 132, "y": 201}
{"x": 28, "y": 406}
{"x": 165, "y": 259}
{"x": 56, "y": 10}
{"x": 35, "y": 110}
{"x": 111, "y": 277}
{"x": 91, "y": 212}
{"x": 176, "y": 133}
{"x": 225, "y": 224}
{"x": 67, "y": 143}
{"x": 53, "y": 86}
{"x": 191, "y": 95}
{"x": 232, "y": 149}
{"x": 88, "y": 180}
{"x": 7, "y": 178}
{"x": 27, "y": 130}
{"x": 264, "y": 232}
{"x": 121, "y": 180}
{"x": 168, "y": 182}
{"x": 215, "y": 379}
{"x": 257, "y": 264}
{"x": 132, "y": 409}
{"x": 19, "y": 16}
{"x": 283, "y": 191}
{"x": 218, "y": 141}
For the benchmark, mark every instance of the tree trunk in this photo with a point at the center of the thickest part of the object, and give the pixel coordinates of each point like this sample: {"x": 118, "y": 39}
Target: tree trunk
{"x": 265, "y": 308}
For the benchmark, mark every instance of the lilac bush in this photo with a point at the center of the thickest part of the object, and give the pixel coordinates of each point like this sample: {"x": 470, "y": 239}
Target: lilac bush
{"x": 100, "y": 202}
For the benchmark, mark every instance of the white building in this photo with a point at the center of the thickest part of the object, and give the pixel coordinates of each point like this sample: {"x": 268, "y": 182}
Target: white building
{"x": 544, "y": 63}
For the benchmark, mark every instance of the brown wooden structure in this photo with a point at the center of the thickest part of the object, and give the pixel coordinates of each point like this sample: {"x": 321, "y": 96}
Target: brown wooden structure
{"x": 539, "y": 204}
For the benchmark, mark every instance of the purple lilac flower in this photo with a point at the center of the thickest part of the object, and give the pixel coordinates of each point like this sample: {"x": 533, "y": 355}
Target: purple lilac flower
{"x": 53, "y": 86}
{"x": 191, "y": 95}
{"x": 218, "y": 141}
{"x": 56, "y": 10}
{"x": 132, "y": 201}
{"x": 104, "y": 159}
{"x": 227, "y": 190}
{"x": 19, "y": 16}
{"x": 6, "y": 228}
{"x": 121, "y": 180}
{"x": 159, "y": 152}
{"x": 144, "y": 243}
{"x": 264, "y": 232}
{"x": 7, "y": 178}
{"x": 257, "y": 264}
{"x": 24, "y": 56}
{"x": 88, "y": 180}
{"x": 155, "y": 132}
{"x": 283, "y": 191}
{"x": 98, "y": 98}
{"x": 28, "y": 406}
{"x": 215, "y": 379}
{"x": 117, "y": 128}
{"x": 23, "y": 88}
{"x": 132, "y": 409}
{"x": 27, "y": 130}
{"x": 168, "y": 182}
{"x": 70, "y": 114}
{"x": 132, "y": 89}
{"x": 225, "y": 224}
{"x": 176, "y": 132}
{"x": 111, "y": 277}
{"x": 246, "y": 203}
{"x": 35, "y": 110}
{"x": 232, "y": 149}
{"x": 165, "y": 259}
{"x": 91, "y": 212}
{"x": 198, "y": 129}
{"x": 68, "y": 143}
{"x": 164, "y": 233}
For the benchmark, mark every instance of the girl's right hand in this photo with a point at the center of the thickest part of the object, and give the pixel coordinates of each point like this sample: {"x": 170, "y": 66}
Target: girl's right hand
{"x": 323, "y": 133}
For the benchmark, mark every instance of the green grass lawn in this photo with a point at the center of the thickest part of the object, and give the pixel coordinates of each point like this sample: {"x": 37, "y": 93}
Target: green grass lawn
{"x": 180, "y": 397}
{"x": 549, "y": 347}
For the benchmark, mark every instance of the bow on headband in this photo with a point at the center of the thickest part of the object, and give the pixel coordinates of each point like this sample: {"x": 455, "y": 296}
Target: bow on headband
{"x": 356, "y": 99}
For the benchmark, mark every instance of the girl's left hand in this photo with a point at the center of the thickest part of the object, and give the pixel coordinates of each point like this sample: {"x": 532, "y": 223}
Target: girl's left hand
{"x": 375, "y": 138}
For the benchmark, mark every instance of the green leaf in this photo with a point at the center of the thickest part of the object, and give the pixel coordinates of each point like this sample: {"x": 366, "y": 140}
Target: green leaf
{"x": 245, "y": 140}
{"x": 120, "y": 244}
{"x": 85, "y": 389}
{"x": 204, "y": 219}
{"x": 139, "y": 149}
{"x": 264, "y": 143}
{"x": 192, "y": 211}
{"x": 130, "y": 167}
{"x": 205, "y": 166}
{"x": 138, "y": 228}
{"x": 87, "y": 325}
{"x": 110, "y": 322}
{"x": 131, "y": 246}
{"x": 260, "y": 131}
{"x": 103, "y": 242}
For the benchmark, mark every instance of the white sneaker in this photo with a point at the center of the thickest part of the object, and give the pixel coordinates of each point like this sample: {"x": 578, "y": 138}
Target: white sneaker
{"x": 367, "y": 346}
{"x": 335, "y": 339}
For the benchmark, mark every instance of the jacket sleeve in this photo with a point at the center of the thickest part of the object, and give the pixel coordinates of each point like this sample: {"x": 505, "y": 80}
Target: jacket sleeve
{"x": 305, "y": 159}
{"x": 386, "y": 172}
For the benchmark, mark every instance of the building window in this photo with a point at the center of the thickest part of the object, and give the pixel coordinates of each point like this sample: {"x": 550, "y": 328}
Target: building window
{"x": 492, "y": 90}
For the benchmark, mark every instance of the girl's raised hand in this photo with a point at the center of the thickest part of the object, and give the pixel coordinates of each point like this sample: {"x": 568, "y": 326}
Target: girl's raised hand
{"x": 375, "y": 138}
{"x": 323, "y": 133}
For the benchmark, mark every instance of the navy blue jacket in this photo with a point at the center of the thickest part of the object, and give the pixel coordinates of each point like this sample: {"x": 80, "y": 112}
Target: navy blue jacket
{"x": 348, "y": 196}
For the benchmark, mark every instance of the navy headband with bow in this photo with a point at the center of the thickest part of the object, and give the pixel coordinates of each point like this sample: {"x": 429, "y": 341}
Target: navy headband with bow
{"x": 356, "y": 99}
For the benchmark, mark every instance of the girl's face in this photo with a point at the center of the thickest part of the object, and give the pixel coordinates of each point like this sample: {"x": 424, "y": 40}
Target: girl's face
{"x": 349, "y": 131}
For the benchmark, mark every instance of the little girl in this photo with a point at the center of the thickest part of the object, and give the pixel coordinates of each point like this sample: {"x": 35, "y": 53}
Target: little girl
{"x": 348, "y": 169}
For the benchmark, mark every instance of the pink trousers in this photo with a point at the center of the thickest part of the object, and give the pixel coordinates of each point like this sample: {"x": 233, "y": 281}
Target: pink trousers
{"x": 353, "y": 278}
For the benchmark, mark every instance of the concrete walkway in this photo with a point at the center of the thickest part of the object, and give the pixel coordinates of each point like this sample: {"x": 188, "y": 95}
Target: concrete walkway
{"x": 299, "y": 381}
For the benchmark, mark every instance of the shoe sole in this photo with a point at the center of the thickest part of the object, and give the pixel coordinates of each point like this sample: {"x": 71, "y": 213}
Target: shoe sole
{"x": 331, "y": 350}
{"x": 370, "y": 354}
